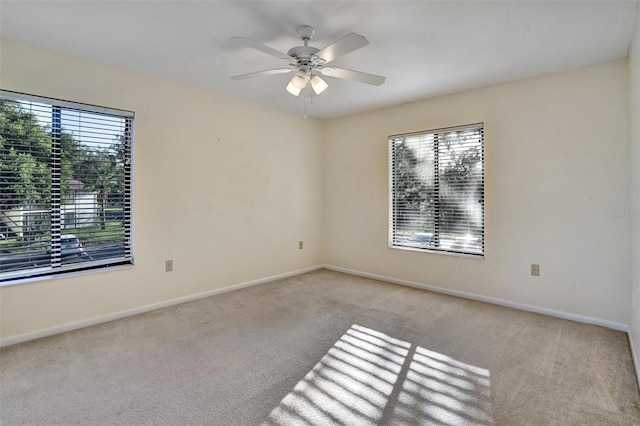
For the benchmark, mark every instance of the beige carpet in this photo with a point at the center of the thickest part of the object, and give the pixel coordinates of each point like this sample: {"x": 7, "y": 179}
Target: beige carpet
{"x": 324, "y": 348}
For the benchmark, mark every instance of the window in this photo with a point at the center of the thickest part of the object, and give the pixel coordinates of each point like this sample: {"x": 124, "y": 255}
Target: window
{"x": 65, "y": 186}
{"x": 437, "y": 190}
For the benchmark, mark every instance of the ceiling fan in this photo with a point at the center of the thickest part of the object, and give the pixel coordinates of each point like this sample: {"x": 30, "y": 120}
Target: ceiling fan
{"x": 309, "y": 62}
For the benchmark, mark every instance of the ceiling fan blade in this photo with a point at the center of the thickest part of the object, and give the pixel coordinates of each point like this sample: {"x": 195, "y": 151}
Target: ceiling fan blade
{"x": 346, "y": 44}
{"x": 360, "y": 76}
{"x": 262, "y": 73}
{"x": 261, "y": 47}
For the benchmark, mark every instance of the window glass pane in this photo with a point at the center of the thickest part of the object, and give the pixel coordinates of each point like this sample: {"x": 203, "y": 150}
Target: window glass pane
{"x": 415, "y": 195}
{"x": 92, "y": 205}
{"x": 461, "y": 190}
{"x": 25, "y": 179}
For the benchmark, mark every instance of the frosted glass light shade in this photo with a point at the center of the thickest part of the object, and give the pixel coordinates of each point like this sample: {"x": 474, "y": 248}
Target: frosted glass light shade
{"x": 299, "y": 80}
{"x": 293, "y": 89}
{"x": 318, "y": 85}
{"x": 297, "y": 83}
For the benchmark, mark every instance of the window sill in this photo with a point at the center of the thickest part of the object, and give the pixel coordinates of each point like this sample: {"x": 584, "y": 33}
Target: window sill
{"x": 41, "y": 278}
{"x": 441, "y": 252}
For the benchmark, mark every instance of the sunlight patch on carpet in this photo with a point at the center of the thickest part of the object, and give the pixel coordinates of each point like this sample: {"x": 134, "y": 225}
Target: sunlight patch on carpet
{"x": 368, "y": 377}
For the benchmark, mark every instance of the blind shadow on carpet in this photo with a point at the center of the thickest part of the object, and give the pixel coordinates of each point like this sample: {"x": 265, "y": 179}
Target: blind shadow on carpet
{"x": 368, "y": 377}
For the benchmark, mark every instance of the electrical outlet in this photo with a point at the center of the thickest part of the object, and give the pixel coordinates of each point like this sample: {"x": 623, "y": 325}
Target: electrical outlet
{"x": 168, "y": 265}
{"x": 300, "y": 245}
{"x": 535, "y": 270}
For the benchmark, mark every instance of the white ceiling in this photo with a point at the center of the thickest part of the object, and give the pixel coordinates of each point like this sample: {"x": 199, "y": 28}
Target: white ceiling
{"x": 424, "y": 48}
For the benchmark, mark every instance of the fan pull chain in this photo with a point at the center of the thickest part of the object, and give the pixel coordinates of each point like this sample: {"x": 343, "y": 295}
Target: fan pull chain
{"x": 305, "y": 107}
{"x": 305, "y": 102}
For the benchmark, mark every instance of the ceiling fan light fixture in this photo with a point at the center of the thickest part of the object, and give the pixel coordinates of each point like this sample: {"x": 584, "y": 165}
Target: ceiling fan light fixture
{"x": 293, "y": 89}
{"x": 299, "y": 80}
{"x": 318, "y": 85}
{"x": 308, "y": 62}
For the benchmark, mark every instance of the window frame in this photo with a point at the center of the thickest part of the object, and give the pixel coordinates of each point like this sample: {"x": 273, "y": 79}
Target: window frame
{"x": 392, "y": 234}
{"x": 55, "y": 267}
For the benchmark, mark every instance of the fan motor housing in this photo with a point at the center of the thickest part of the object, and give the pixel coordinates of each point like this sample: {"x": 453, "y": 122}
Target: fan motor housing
{"x": 302, "y": 52}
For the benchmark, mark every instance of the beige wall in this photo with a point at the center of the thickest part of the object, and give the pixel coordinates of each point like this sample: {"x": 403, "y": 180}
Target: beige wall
{"x": 225, "y": 193}
{"x": 223, "y": 187}
{"x": 634, "y": 62}
{"x": 556, "y": 159}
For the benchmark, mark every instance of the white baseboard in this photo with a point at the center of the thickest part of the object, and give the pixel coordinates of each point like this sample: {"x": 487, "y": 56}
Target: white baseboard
{"x": 21, "y": 338}
{"x": 634, "y": 357}
{"x": 524, "y": 307}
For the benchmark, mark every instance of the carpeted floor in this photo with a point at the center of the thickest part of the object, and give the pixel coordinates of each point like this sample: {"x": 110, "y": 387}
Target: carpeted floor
{"x": 324, "y": 348}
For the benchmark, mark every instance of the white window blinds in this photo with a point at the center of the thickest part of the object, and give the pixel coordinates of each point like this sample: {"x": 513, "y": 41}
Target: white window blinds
{"x": 65, "y": 186}
{"x": 437, "y": 190}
